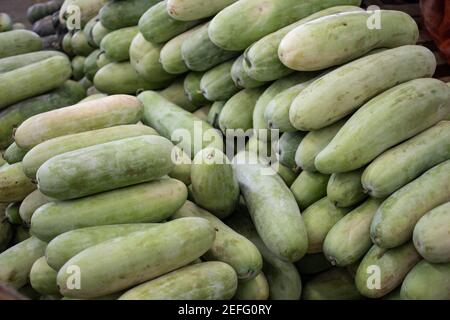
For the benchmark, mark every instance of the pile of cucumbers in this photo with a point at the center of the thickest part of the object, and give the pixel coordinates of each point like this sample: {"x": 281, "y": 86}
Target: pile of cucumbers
{"x": 109, "y": 190}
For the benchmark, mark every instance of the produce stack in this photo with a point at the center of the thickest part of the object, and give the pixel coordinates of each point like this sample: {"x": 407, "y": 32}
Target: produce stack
{"x": 125, "y": 200}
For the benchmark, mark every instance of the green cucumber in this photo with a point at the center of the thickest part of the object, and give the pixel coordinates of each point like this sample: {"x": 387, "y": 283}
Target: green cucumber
{"x": 144, "y": 57}
{"x": 272, "y": 207}
{"x": 183, "y": 166}
{"x": 188, "y": 10}
{"x": 91, "y": 170}
{"x": 287, "y": 146}
{"x": 202, "y": 281}
{"x": 43, "y": 277}
{"x": 200, "y": 53}
{"x": 254, "y": 289}
{"x": 241, "y": 78}
{"x": 116, "y": 44}
{"x": 401, "y": 164}
{"x": 14, "y": 153}
{"x": 431, "y": 235}
{"x": 14, "y": 185}
{"x": 309, "y": 187}
{"x": 261, "y": 60}
{"x": 99, "y": 31}
{"x": 214, "y": 184}
{"x": 394, "y": 221}
{"x": 136, "y": 258}
{"x": 78, "y": 67}
{"x": 21, "y": 60}
{"x": 382, "y": 270}
{"x": 12, "y": 214}
{"x": 96, "y": 114}
{"x": 29, "y": 205}
{"x": 230, "y": 29}
{"x": 80, "y": 44}
{"x": 34, "y": 79}
{"x": 91, "y": 67}
{"x": 68, "y": 244}
{"x": 121, "y": 14}
{"x": 192, "y": 88}
{"x": 178, "y": 124}
{"x": 392, "y": 117}
{"x": 143, "y": 203}
{"x": 16, "y": 262}
{"x": 285, "y": 173}
{"x": 217, "y": 84}
{"x": 17, "y": 42}
{"x": 46, "y": 150}
{"x": 345, "y": 189}
{"x": 88, "y": 30}
{"x": 214, "y": 113}
{"x": 319, "y": 218}
{"x": 228, "y": 246}
{"x": 66, "y": 44}
{"x": 349, "y": 239}
{"x": 325, "y": 41}
{"x": 156, "y": 25}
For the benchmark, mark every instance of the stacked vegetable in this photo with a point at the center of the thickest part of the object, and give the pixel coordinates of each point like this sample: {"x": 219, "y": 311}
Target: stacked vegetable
{"x": 122, "y": 204}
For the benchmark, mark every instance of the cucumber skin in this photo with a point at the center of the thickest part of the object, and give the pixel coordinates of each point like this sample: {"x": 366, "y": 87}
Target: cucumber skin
{"x": 161, "y": 198}
{"x": 116, "y": 44}
{"x": 33, "y": 80}
{"x": 309, "y": 187}
{"x": 400, "y": 212}
{"x": 21, "y": 60}
{"x": 43, "y": 277}
{"x": 195, "y": 9}
{"x": 217, "y": 84}
{"x": 17, "y": 42}
{"x": 76, "y": 174}
{"x": 121, "y": 14}
{"x": 14, "y": 185}
{"x": 138, "y": 257}
{"x": 46, "y": 150}
{"x": 392, "y": 117}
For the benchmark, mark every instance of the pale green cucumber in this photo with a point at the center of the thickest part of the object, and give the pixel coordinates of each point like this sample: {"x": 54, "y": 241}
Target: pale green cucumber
{"x": 68, "y": 244}
{"x": 14, "y": 153}
{"x": 14, "y": 185}
{"x": 138, "y": 257}
{"x": 33, "y": 201}
{"x": 217, "y": 84}
{"x": 401, "y": 164}
{"x": 78, "y": 67}
{"x": 229, "y": 246}
{"x": 343, "y": 90}
{"x": 214, "y": 184}
{"x": 394, "y": 221}
{"x": 16, "y": 262}
{"x": 431, "y": 235}
{"x": 96, "y": 114}
{"x": 188, "y": 10}
{"x": 287, "y": 174}
{"x": 202, "y": 281}
{"x": 349, "y": 239}
{"x": 15, "y": 42}
{"x": 121, "y": 14}
{"x": 242, "y": 79}
{"x": 43, "y": 277}
{"x": 381, "y": 270}
{"x": 214, "y": 113}
{"x": 287, "y": 146}
{"x": 80, "y": 44}
{"x": 309, "y": 187}
{"x": 46, "y": 150}
{"x": 116, "y": 44}
{"x": 99, "y": 31}
{"x": 345, "y": 189}
{"x": 192, "y": 88}
{"x": 326, "y": 41}
{"x": 392, "y": 117}
{"x": 254, "y": 289}
{"x": 21, "y": 60}
{"x": 272, "y": 207}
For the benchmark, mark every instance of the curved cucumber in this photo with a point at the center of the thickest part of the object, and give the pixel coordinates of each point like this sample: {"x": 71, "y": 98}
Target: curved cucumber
{"x": 325, "y": 41}
{"x": 116, "y": 44}
{"x": 241, "y": 78}
{"x": 217, "y": 84}
{"x": 319, "y": 218}
{"x": 95, "y": 114}
{"x": 46, "y": 150}
{"x": 394, "y": 221}
{"x": 345, "y": 189}
{"x": 261, "y": 58}
{"x": 14, "y": 153}
{"x": 34, "y": 79}
{"x": 121, "y": 77}
{"x": 392, "y": 117}
{"x": 178, "y": 124}
{"x": 228, "y": 246}
{"x": 230, "y": 30}
{"x": 188, "y": 10}
{"x": 16, "y": 262}
{"x": 105, "y": 167}
{"x": 309, "y": 187}
{"x": 349, "y": 239}
{"x": 156, "y": 25}
{"x": 17, "y": 42}
{"x": 43, "y": 277}
{"x": 33, "y": 201}
{"x": 144, "y": 57}
{"x": 401, "y": 164}
{"x": 381, "y": 270}
{"x": 214, "y": 184}
{"x": 68, "y": 244}
{"x": 202, "y": 281}
{"x": 138, "y": 257}
{"x": 200, "y": 53}
{"x": 313, "y": 143}
{"x": 272, "y": 207}
{"x": 334, "y": 284}
{"x": 355, "y": 83}
{"x": 22, "y": 60}
{"x": 430, "y": 235}
{"x": 14, "y": 185}
{"x": 427, "y": 281}
{"x": 121, "y": 14}
{"x": 254, "y": 289}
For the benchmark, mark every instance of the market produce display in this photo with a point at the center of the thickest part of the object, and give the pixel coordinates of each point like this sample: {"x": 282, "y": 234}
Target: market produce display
{"x": 222, "y": 149}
